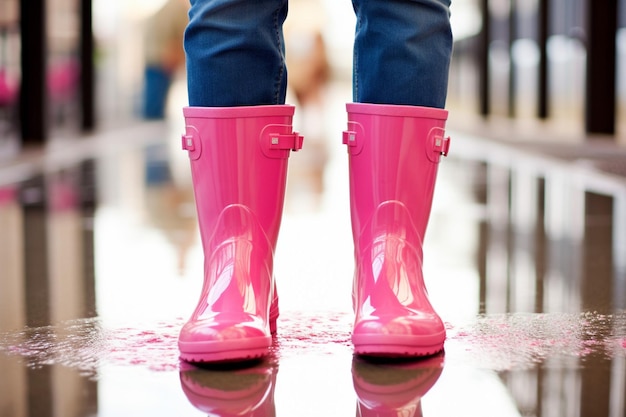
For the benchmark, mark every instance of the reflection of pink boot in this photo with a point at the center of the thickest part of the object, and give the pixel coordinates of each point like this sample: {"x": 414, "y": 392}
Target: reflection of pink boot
{"x": 394, "y": 152}
{"x": 394, "y": 389}
{"x": 245, "y": 392}
{"x": 239, "y": 168}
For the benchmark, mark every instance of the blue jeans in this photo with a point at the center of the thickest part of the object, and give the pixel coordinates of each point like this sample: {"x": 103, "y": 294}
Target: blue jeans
{"x": 235, "y": 52}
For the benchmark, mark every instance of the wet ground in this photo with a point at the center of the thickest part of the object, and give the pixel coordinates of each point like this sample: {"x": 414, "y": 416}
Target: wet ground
{"x": 100, "y": 265}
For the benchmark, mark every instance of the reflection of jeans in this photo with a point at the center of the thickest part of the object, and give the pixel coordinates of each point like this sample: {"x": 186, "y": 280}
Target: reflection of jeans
{"x": 235, "y": 52}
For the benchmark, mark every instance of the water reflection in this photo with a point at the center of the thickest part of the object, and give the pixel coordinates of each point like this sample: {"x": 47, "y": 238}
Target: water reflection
{"x": 170, "y": 206}
{"x": 382, "y": 389}
{"x": 226, "y": 392}
{"x": 550, "y": 263}
{"x": 548, "y": 318}
{"x": 547, "y": 240}
{"x": 46, "y": 229}
{"x": 46, "y": 265}
{"x": 57, "y": 213}
{"x": 394, "y": 389}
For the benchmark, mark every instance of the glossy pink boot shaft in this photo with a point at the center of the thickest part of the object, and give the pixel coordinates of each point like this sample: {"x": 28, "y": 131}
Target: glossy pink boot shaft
{"x": 239, "y": 169}
{"x": 394, "y": 152}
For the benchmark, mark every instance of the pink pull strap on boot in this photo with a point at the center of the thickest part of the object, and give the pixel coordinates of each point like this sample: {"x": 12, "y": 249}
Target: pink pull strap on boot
{"x": 394, "y": 152}
{"x": 238, "y": 159}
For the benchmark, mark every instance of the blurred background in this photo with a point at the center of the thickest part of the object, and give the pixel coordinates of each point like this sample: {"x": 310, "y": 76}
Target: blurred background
{"x": 74, "y": 66}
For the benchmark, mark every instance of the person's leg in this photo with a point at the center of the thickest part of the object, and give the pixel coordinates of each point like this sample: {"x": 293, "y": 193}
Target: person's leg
{"x": 402, "y": 51}
{"x": 395, "y": 140}
{"x": 235, "y": 52}
{"x": 238, "y": 135}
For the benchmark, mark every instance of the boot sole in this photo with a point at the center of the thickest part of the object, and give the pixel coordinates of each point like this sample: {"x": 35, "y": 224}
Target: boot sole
{"x": 397, "y": 346}
{"x": 225, "y": 351}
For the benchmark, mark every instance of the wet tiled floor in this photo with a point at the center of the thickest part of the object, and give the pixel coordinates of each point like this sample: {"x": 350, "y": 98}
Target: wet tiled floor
{"x": 100, "y": 265}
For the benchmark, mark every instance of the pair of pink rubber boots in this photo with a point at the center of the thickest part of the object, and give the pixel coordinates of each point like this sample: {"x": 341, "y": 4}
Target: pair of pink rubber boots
{"x": 239, "y": 168}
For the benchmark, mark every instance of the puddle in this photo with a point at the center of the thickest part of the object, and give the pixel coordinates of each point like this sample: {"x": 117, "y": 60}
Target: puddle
{"x": 523, "y": 341}
{"x": 86, "y": 344}
{"x": 501, "y": 342}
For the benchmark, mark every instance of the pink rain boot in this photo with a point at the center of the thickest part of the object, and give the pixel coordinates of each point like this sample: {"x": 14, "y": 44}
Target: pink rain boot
{"x": 239, "y": 169}
{"x": 394, "y": 152}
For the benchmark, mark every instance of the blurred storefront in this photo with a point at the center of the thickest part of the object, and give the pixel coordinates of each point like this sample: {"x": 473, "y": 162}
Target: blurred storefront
{"x": 556, "y": 63}
{"x": 69, "y": 66}
{"x": 72, "y": 65}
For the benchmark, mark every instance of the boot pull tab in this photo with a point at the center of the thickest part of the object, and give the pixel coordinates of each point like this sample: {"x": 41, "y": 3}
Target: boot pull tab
{"x": 277, "y": 141}
{"x": 439, "y": 144}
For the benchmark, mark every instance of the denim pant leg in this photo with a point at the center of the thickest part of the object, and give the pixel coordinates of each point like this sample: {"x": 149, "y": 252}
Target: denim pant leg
{"x": 402, "y": 52}
{"x": 235, "y": 52}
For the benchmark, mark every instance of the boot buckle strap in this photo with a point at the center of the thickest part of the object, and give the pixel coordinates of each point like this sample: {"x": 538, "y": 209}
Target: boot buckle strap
{"x": 191, "y": 142}
{"x": 187, "y": 142}
{"x": 441, "y": 145}
{"x": 276, "y": 141}
{"x": 353, "y": 138}
{"x": 438, "y": 144}
{"x": 292, "y": 141}
{"x": 349, "y": 138}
